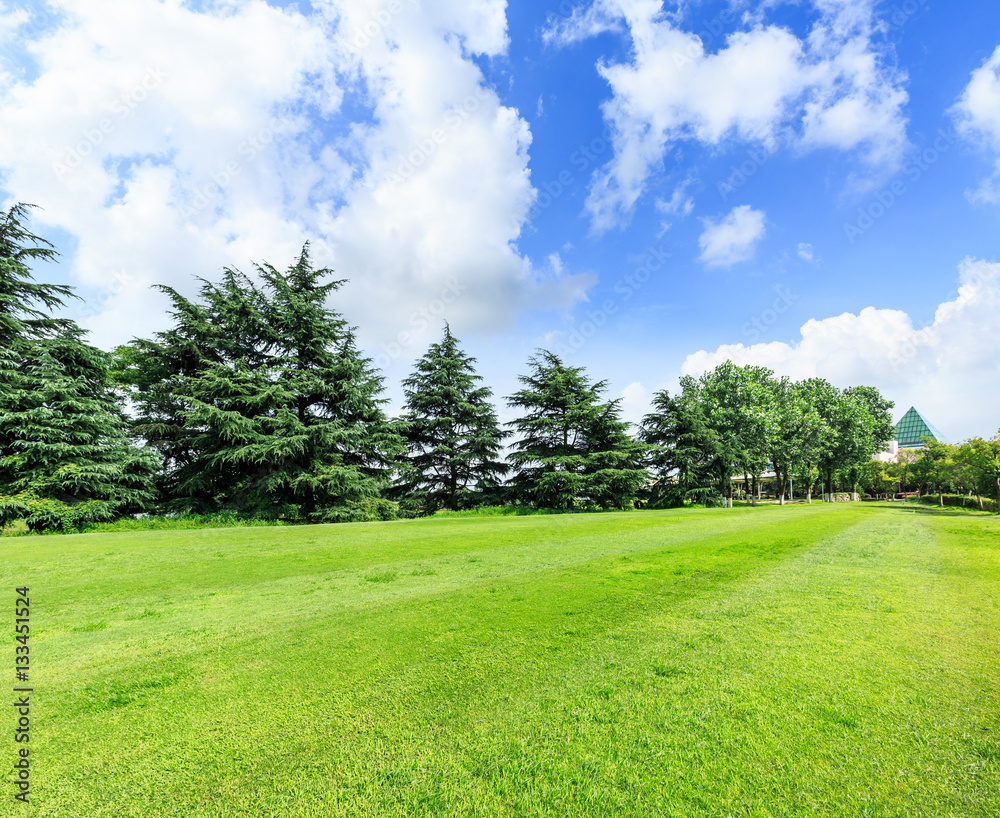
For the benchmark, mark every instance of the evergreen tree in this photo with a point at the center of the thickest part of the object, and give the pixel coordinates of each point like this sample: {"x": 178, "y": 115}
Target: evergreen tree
{"x": 21, "y": 299}
{"x": 69, "y": 461}
{"x": 451, "y": 430}
{"x": 261, "y": 400}
{"x": 685, "y": 453}
{"x": 573, "y": 448}
{"x": 65, "y": 459}
{"x": 159, "y": 374}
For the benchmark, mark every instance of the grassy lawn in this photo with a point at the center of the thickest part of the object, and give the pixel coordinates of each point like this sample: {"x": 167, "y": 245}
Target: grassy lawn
{"x": 835, "y": 660}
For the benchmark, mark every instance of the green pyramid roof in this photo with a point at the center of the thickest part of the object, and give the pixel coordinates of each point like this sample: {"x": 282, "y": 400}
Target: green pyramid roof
{"x": 912, "y": 427}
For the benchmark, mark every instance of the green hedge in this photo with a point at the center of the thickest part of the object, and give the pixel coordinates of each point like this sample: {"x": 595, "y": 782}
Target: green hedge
{"x": 961, "y": 500}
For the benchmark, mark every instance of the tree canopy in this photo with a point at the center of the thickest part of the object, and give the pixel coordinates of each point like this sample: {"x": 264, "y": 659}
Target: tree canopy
{"x": 571, "y": 449}
{"x": 260, "y": 400}
{"x": 451, "y": 431}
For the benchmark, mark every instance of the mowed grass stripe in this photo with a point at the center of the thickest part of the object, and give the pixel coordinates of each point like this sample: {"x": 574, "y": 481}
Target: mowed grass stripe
{"x": 713, "y": 665}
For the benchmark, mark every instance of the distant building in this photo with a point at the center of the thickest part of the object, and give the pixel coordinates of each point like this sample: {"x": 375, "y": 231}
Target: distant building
{"x": 912, "y": 427}
{"x": 910, "y": 431}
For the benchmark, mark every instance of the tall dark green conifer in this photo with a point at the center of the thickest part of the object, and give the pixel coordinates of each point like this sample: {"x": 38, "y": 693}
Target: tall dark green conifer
{"x": 685, "y": 454}
{"x": 573, "y": 449}
{"x": 261, "y": 400}
{"x": 65, "y": 459}
{"x": 451, "y": 429}
{"x": 70, "y": 462}
{"x": 23, "y": 303}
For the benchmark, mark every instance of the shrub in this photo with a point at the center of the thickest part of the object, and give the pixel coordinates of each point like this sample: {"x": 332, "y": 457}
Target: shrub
{"x": 367, "y": 510}
{"x": 961, "y": 500}
{"x": 44, "y": 514}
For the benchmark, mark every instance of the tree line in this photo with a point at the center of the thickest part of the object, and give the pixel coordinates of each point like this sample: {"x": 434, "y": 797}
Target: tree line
{"x": 258, "y": 401}
{"x": 968, "y": 471}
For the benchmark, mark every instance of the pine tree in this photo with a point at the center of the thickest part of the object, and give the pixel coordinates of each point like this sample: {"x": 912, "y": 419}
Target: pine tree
{"x": 451, "y": 430}
{"x": 685, "y": 454}
{"x": 573, "y": 449}
{"x": 261, "y": 401}
{"x": 69, "y": 461}
{"x": 20, "y": 297}
{"x": 65, "y": 459}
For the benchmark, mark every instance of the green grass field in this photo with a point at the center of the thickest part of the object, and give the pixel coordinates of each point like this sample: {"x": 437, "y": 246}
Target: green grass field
{"x": 833, "y": 660}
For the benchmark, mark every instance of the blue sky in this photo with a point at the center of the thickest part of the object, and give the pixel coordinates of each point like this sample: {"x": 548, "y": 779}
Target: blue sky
{"x": 648, "y": 189}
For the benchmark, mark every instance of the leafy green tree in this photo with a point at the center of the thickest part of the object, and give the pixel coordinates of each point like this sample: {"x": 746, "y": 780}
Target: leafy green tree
{"x": 573, "y": 449}
{"x": 451, "y": 430}
{"x": 860, "y": 425}
{"x": 738, "y": 404}
{"x": 878, "y": 478}
{"x": 983, "y": 457}
{"x": 902, "y": 467}
{"x": 798, "y": 433}
{"x": 261, "y": 401}
{"x": 934, "y": 466}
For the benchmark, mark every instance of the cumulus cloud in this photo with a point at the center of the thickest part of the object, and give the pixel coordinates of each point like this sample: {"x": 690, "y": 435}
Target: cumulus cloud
{"x": 949, "y": 369}
{"x": 763, "y": 85}
{"x": 168, "y": 141}
{"x": 733, "y": 239}
{"x": 806, "y": 252}
{"x": 978, "y": 116}
{"x": 634, "y": 404}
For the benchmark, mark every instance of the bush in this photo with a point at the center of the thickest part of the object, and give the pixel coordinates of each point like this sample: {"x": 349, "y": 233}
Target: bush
{"x": 370, "y": 509}
{"x": 44, "y": 515}
{"x": 484, "y": 511}
{"x": 961, "y": 500}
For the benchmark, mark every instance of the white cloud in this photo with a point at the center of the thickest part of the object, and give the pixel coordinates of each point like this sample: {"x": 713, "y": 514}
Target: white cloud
{"x": 634, "y": 402}
{"x": 169, "y": 142}
{"x": 764, "y": 85}
{"x": 950, "y": 369}
{"x": 806, "y": 252}
{"x": 680, "y": 203}
{"x": 978, "y": 115}
{"x": 733, "y": 239}
{"x": 582, "y": 23}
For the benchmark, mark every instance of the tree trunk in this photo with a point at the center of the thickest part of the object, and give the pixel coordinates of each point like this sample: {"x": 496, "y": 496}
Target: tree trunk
{"x": 753, "y": 492}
